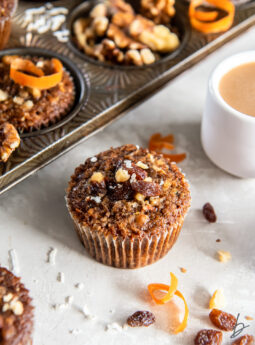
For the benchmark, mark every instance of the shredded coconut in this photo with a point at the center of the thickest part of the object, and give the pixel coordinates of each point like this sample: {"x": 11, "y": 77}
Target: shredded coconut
{"x": 128, "y": 163}
{"x": 113, "y": 327}
{"x": 93, "y": 159}
{"x": 75, "y": 331}
{"x": 13, "y": 261}
{"x": 52, "y": 256}
{"x": 97, "y": 199}
{"x": 61, "y": 277}
{"x": 87, "y": 314}
{"x": 79, "y": 286}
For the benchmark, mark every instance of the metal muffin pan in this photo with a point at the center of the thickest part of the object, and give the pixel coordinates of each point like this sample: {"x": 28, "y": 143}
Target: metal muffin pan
{"x": 81, "y": 84}
{"x": 112, "y": 90}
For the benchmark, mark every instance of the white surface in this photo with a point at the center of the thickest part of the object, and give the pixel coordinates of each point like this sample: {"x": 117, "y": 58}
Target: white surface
{"x": 228, "y": 136}
{"x": 34, "y": 219}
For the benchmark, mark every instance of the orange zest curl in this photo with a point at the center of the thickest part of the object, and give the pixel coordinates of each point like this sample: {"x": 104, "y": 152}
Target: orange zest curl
{"x": 157, "y": 143}
{"x": 170, "y": 292}
{"x": 207, "y": 22}
{"x": 37, "y": 80}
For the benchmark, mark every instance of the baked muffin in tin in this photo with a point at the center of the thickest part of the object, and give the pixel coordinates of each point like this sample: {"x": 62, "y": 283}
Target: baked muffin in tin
{"x": 31, "y": 108}
{"x": 128, "y": 205}
{"x": 16, "y": 311}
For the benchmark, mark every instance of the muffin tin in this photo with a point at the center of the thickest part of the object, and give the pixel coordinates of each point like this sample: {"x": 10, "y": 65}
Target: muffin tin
{"x": 112, "y": 89}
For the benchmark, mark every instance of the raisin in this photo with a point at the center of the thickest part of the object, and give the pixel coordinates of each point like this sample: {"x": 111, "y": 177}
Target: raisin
{"x": 146, "y": 188}
{"x": 121, "y": 191}
{"x": 209, "y": 213}
{"x": 222, "y": 320}
{"x": 244, "y": 340}
{"x": 208, "y": 337}
{"x": 140, "y": 173}
{"x": 141, "y": 318}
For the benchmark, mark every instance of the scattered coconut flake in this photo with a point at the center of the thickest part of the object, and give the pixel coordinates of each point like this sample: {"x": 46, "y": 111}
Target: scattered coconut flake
{"x": 79, "y": 286}
{"x": 97, "y": 199}
{"x": 46, "y": 18}
{"x": 161, "y": 182}
{"x": 61, "y": 306}
{"x": 75, "y": 331}
{"x": 113, "y": 327}
{"x": 128, "y": 163}
{"x": 137, "y": 146}
{"x": 93, "y": 159}
{"x": 133, "y": 178}
{"x": 87, "y": 314}
{"x": 14, "y": 262}
{"x": 52, "y": 256}
{"x": 61, "y": 277}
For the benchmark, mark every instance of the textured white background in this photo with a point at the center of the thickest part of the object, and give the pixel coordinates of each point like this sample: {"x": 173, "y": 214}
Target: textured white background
{"x": 33, "y": 218}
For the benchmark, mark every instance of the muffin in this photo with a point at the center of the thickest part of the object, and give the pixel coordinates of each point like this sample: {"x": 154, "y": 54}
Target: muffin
{"x": 28, "y": 101}
{"x": 16, "y": 312}
{"x": 9, "y": 141}
{"x": 7, "y": 9}
{"x": 128, "y": 205}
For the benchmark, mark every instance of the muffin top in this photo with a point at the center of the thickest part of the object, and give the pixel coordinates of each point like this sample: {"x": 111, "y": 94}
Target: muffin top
{"x": 30, "y": 108}
{"x": 6, "y": 8}
{"x": 16, "y": 312}
{"x": 128, "y": 191}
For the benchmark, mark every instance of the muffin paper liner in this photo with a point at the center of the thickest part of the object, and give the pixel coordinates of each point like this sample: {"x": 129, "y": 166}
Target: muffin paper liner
{"x": 125, "y": 252}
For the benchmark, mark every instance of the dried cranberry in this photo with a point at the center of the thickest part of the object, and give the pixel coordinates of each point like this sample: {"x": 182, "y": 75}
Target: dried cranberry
{"x": 244, "y": 340}
{"x": 208, "y": 337}
{"x": 222, "y": 320}
{"x": 209, "y": 213}
{"x": 141, "y": 318}
{"x": 146, "y": 188}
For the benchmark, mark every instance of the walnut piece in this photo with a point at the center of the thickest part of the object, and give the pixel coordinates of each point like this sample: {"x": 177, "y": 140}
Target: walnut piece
{"x": 161, "y": 11}
{"x": 218, "y": 300}
{"x": 224, "y": 256}
{"x": 122, "y": 175}
{"x": 97, "y": 177}
{"x": 9, "y": 141}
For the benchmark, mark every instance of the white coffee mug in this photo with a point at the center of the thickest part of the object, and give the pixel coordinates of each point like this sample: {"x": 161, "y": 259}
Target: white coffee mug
{"x": 228, "y": 136}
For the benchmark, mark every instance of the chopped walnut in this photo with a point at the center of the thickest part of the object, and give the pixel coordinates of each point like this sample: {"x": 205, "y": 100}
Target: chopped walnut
{"x": 161, "y": 11}
{"x": 100, "y": 25}
{"x": 122, "y": 175}
{"x": 28, "y": 105}
{"x": 142, "y": 165}
{"x": 99, "y": 10}
{"x": 135, "y": 37}
{"x": 139, "y": 197}
{"x": 218, "y": 300}
{"x": 97, "y": 177}
{"x": 134, "y": 56}
{"x": 3, "y": 95}
{"x": 9, "y": 140}
{"x": 142, "y": 219}
{"x": 18, "y": 100}
{"x": 224, "y": 256}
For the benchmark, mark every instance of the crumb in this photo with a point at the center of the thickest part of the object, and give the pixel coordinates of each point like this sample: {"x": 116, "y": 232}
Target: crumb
{"x": 125, "y": 326}
{"x": 224, "y": 256}
{"x": 218, "y": 240}
{"x": 183, "y": 270}
{"x": 218, "y": 300}
{"x": 249, "y": 318}
{"x": 69, "y": 300}
{"x": 51, "y": 259}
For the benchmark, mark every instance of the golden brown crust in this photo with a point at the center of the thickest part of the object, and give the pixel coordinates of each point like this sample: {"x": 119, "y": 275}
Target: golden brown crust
{"x": 128, "y": 192}
{"x": 16, "y": 311}
{"x": 28, "y": 108}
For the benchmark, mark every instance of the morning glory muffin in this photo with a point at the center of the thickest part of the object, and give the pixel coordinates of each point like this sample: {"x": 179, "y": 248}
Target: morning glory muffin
{"x": 128, "y": 205}
{"x": 16, "y": 311}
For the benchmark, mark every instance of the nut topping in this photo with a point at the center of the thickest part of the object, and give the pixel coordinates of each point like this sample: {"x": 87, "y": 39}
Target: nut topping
{"x": 122, "y": 175}
{"x": 9, "y": 141}
{"x": 97, "y": 177}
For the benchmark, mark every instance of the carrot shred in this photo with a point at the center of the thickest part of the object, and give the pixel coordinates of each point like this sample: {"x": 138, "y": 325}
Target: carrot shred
{"x": 170, "y": 292}
{"x": 207, "y": 22}
{"x": 205, "y": 16}
{"x": 38, "y": 80}
{"x": 157, "y": 143}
